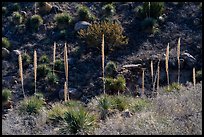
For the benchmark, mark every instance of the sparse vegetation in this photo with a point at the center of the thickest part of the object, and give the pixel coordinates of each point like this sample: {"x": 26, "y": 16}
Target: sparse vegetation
{"x": 44, "y": 59}
{"x": 173, "y": 86}
{"x": 79, "y": 119}
{"x": 31, "y": 105}
{"x": 34, "y": 22}
{"x": 63, "y": 20}
{"x": 112, "y": 32}
{"x": 6, "y": 95}
{"x": 17, "y": 18}
{"x": 43, "y": 70}
{"x": 111, "y": 69}
{"x": 84, "y": 14}
{"x": 6, "y": 43}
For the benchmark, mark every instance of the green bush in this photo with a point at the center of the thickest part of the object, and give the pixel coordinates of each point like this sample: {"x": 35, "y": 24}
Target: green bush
{"x": 31, "y": 105}
{"x": 154, "y": 11}
{"x": 6, "y": 94}
{"x": 120, "y": 102}
{"x": 138, "y": 104}
{"x": 57, "y": 112}
{"x": 6, "y": 43}
{"x": 108, "y": 10}
{"x": 84, "y": 14}
{"x": 26, "y": 59}
{"x": 59, "y": 65}
{"x": 79, "y": 119}
{"x": 52, "y": 78}
{"x": 63, "y": 20}
{"x": 110, "y": 69}
{"x": 17, "y": 18}
{"x": 149, "y": 25}
{"x": 115, "y": 85}
{"x": 44, "y": 59}
{"x": 34, "y": 22}
{"x": 113, "y": 36}
{"x": 43, "y": 70}
{"x": 173, "y": 86}
{"x": 199, "y": 75}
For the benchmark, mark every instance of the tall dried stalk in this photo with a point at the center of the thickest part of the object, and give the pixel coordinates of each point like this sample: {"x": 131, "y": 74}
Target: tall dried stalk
{"x": 194, "y": 78}
{"x": 158, "y": 73}
{"x": 103, "y": 58}
{"x": 54, "y": 51}
{"x": 143, "y": 81}
{"x": 65, "y": 91}
{"x": 152, "y": 71}
{"x": 149, "y": 8}
{"x": 21, "y": 72}
{"x": 167, "y": 65}
{"x": 35, "y": 68}
{"x": 66, "y": 63}
{"x": 178, "y": 58}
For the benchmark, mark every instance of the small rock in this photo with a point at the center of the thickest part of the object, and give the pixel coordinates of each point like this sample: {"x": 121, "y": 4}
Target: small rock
{"x": 81, "y": 25}
{"x": 126, "y": 113}
{"x": 5, "y": 53}
{"x": 73, "y": 93}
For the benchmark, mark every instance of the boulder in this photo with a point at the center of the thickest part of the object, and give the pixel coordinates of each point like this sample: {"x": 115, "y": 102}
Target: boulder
{"x": 5, "y": 53}
{"x": 189, "y": 60}
{"x": 81, "y": 25}
{"x": 73, "y": 93}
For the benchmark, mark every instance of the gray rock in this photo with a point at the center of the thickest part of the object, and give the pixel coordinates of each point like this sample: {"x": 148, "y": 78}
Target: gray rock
{"x": 81, "y": 25}
{"x": 73, "y": 93}
{"x": 5, "y": 53}
{"x": 189, "y": 59}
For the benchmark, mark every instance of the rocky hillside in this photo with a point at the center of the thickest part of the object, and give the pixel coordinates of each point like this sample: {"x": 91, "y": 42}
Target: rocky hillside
{"x": 135, "y": 34}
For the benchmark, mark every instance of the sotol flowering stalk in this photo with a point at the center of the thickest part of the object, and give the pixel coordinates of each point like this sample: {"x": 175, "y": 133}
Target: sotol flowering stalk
{"x": 21, "y": 72}
{"x": 167, "y": 61}
{"x": 103, "y": 58}
{"x": 35, "y": 68}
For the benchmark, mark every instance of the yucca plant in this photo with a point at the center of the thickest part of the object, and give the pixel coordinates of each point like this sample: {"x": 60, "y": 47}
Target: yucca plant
{"x": 111, "y": 69}
{"x": 17, "y": 18}
{"x": 52, "y": 78}
{"x": 120, "y": 102}
{"x": 173, "y": 86}
{"x": 194, "y": 77}
{"x": 21, "y": 72}
{"x": 66, "y": 66}
{"x": 31, "y": 105}
{"x": 79, "y": 119}
{"x": 63, "y": 20}
{"x": 35, "y": 68}
{"x": 6, "y": 43}
{"x": 178, "y": 58}
{"x": 56, "y": 114}
{"x": 143, "y": 73}
{"x": 54, "y": 52}
{"x": 103, "y": 60}
{"x": 44, "y": 59}
{"x": 34, "y": 22}
{"x": 167, "y": 61}
{"x": 6, "y": 94}
{"x": 84, "y": 14}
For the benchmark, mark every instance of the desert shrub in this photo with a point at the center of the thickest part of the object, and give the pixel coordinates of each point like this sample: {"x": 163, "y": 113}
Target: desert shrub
{"x": 17, "y": 18}
{"x": 120, "y": 102}
{"x": 148, "y": 25}
{"x": 199, "y": 75}
{"x": 57, "y": 112}
{"x": 44, "y": 59}
{"x": 154, "y": 11}
{"x": 15, "y": 7}
{"x": 73, "y": 103}
{"x": 43, "y": 70}
{"x": 112, "y": 33}
{"x": 6, "y": 94}
{"x": 108, "y": 10}
{"x": 79, "y": 119}
{"x": 173, "y": 86}
{"x": 6, "y": 43}
{"x": 34, "y": 22}
{"x": 52, "y": 78}
{"x": 44, "y": 7}
{"x": 59, "y": 65}
{"x": 63, "y": 20}
{"x": 84, "y": 14}
{"x": 138, "y": 104}
{"x": 26, "y": 59}
{"x": 110, "y": 69}
{"x": 31, "y": 105}
{"x": 115, "y": 85}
